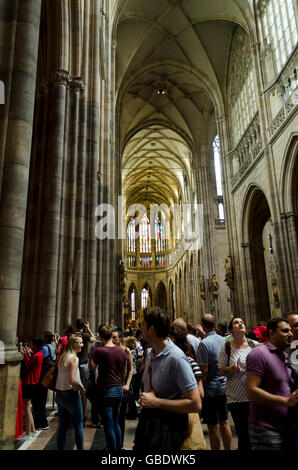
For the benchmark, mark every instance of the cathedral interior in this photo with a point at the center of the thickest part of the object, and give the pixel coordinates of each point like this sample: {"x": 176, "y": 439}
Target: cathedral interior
{"x": 148, "y": 157}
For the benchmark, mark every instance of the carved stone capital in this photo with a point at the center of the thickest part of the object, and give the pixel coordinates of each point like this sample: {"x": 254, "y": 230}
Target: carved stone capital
{"x": 61, "y": 77}
{"x": 262, "y": 6}
{"x": 246, "y": 245}
{"x": 289, "y": 215}
{"x": 77, "y": 84}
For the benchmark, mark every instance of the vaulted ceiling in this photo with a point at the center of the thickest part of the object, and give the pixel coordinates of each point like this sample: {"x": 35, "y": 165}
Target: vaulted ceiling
{"x": 171, "y": 66}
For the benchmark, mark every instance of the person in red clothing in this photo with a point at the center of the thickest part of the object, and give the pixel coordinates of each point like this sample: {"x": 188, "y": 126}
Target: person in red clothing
{"x": 33, "y": 358}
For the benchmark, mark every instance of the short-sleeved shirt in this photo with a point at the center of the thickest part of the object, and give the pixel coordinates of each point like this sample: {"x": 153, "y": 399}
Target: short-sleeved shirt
{"x": 194, "y": 342}
{"x": 270, "y": 364}
{"x": 236, "y": 382}
{"x": 83, "y": 354}
{"x": 196, "y": 369}
{"x": 208, "y": 353}
{"x": 111, "y": 362}
{"x": 48, "y": 350}
{"x": 172, "y": 374}
{"x": 292, "y": 353}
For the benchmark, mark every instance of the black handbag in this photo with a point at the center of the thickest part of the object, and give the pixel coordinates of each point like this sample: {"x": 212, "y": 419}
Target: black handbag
{"x": 160, "y": 430}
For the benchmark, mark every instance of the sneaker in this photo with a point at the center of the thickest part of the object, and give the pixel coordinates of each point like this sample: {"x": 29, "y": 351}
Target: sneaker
{"x": 24, "y": 437}
{"x": 33, "y": 434}
{"x": 43, "y": 429}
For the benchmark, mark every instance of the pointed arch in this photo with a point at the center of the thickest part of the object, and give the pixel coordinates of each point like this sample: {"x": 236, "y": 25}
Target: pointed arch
{"x": 146, "y": 296}
{"x": 289, "y": 178}
{"x": 172, "y": 300}
{"x": 161, "y": 296}
{"x": 133, "y": 300}
{"x": 256, "y": 217}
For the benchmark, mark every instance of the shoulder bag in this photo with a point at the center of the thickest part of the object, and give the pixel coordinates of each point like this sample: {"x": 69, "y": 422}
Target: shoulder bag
{"x": 160, "y": 430}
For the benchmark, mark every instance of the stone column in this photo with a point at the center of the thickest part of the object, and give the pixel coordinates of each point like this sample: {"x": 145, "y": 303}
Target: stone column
{"x": 204, "y": 186}
{"x": 287, "y": 257}
{"x": 21, "y": 21}
{"x": 50, "y": 243}
{"x": 248, "y": 288}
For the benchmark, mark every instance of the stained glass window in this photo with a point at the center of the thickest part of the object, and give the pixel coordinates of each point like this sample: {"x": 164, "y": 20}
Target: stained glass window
{"x": 144, "y": 298}
{"x": 131, "y": 261}
{"x": 160, "y": 260}
{"x": 131, "y": 235}
{"x": 146, "y": 261}
{"x": 145, "y": 240}
{"x": 160, "y": 241}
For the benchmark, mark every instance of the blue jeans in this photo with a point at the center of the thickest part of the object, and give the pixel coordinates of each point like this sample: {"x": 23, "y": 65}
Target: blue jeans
{"x": 70, "y": 406}
{"x": 111, "y": 411}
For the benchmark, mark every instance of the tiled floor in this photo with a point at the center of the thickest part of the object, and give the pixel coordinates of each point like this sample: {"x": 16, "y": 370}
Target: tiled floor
{"x": 94, "y": 439}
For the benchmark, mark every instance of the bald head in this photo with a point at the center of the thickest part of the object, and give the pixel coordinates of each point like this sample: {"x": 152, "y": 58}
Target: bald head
{"x": 179, "y": 322}
{"x": 208, "y": 322}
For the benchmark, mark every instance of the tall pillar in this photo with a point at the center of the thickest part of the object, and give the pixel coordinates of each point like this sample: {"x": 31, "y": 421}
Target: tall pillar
{"x": 287, "y": 258}
{"x": 50, "y": 241}
{"x": 248, "y": 288}
{"x": 204, "y": 185}
{"x": 18, "y": 60}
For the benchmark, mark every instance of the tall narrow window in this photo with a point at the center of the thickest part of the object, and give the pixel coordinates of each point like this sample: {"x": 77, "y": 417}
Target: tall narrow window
{"x": 133, "y": 304}
{"x": 131, "y": 236}
{"x": 217, "y": 165}
{"x": 131, "y": 261}
{"x": 144, "y": 298}
{"x": 241, "y": 88}
{"x": 145, "y": 240}
{"x": 160, "y": 242}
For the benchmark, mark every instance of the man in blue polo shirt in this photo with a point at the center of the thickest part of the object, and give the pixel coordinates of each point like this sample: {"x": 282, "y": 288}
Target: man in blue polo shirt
{"x": 215, "y": 408}
{"x": 169, "y": 382}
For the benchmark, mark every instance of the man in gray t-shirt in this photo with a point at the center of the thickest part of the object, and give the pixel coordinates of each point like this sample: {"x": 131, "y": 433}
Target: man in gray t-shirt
{"x": 169, "y": 382}
{"x": 215, "y": 408}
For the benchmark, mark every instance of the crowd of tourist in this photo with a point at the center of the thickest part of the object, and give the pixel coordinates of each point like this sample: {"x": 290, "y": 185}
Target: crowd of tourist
{"x": 171, "y": 378}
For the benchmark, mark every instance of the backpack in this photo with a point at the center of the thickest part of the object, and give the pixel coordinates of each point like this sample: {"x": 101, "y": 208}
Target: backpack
{"x": 47, "y": 363}
{"x": 228, "y": 347}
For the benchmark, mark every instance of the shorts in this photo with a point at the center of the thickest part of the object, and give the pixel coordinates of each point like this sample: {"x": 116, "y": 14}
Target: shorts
{"x": 29, "y": 391}
{"x": 84, "y": 374}
{"x": 214, "y": 409}
{"x": 265, "y": 438}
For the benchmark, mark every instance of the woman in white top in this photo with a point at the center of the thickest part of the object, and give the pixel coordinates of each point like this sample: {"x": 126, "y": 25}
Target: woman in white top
{"x": 68, "y": 386}
{"x": 232, "y": 364}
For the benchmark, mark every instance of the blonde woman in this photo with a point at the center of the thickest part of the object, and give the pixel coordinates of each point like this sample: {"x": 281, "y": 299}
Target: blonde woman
{"x": 68, "y": 386}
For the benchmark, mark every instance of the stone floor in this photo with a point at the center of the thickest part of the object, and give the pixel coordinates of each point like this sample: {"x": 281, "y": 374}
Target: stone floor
{"x": 94, "y": 439}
